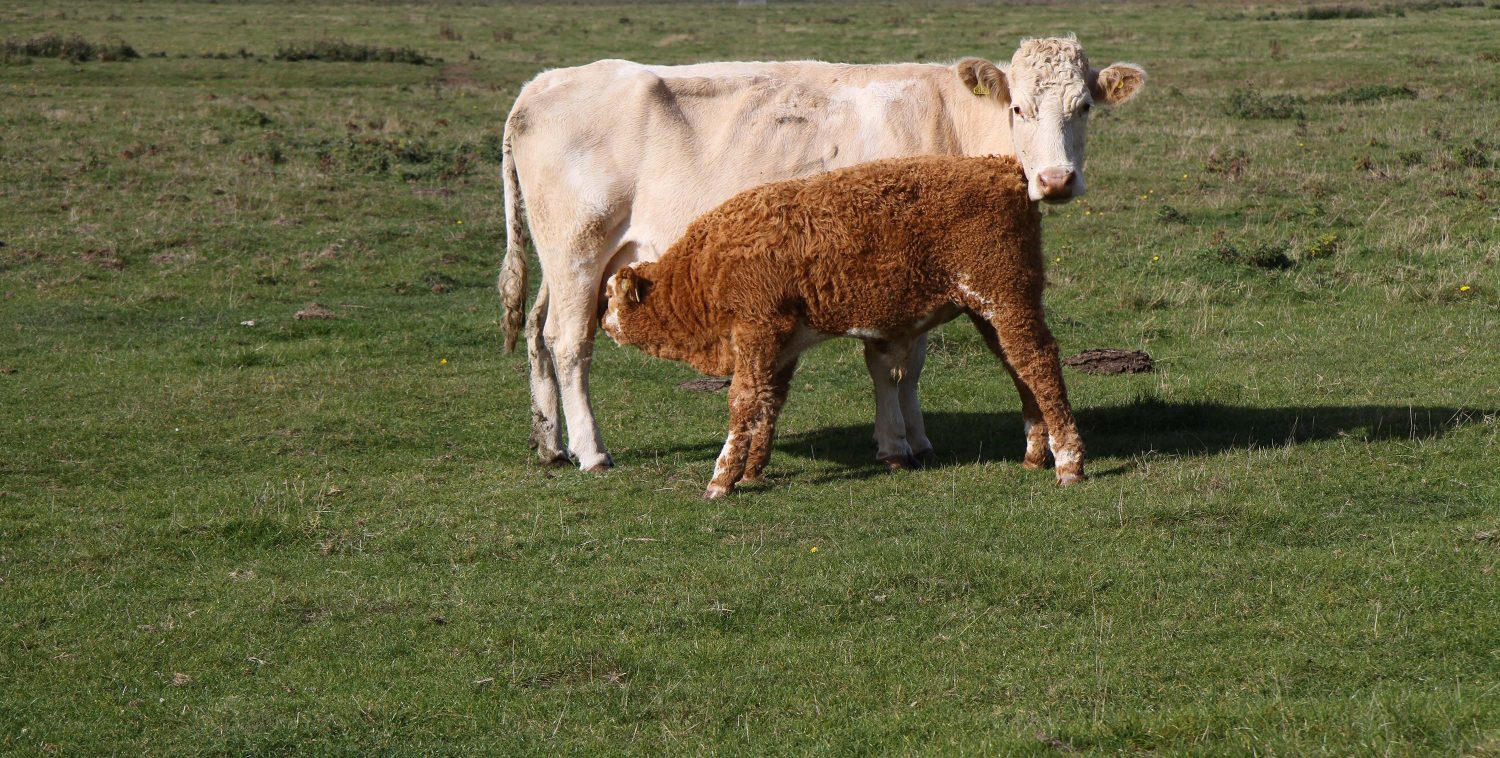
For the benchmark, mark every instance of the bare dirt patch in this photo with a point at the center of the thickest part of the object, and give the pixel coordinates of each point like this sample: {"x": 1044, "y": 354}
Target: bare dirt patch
{"x": 1111, "y": 361}
{"x": 104, "y": 258}
{"x": 706, "y": 384}
{"x": 314, "y": 311}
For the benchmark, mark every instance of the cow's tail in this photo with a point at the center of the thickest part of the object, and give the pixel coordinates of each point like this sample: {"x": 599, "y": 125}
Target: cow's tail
{"x": 513, "y": 274}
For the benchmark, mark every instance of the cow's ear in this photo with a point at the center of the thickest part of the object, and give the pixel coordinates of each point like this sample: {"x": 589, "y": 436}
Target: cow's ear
{"x": 983, "y": 78}
{"x": 1116, "y": 84}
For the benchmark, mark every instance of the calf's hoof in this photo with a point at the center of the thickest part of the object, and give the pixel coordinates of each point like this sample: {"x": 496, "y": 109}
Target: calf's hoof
{"x": 925, "y": 458}
{"x": 714, "y": 492}
{"x": 1034, "y": 465}
{"x": 1064, "y": 480}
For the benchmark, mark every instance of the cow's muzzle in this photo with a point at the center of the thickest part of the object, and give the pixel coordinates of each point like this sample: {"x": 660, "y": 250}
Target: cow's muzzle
{"x": 1057, "y": 185}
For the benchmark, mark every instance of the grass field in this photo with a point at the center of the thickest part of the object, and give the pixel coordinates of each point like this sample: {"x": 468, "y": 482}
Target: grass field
{"x": 329, "y": 534}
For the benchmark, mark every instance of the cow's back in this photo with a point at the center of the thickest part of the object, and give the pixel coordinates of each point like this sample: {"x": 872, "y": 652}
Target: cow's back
{"x": 629, "y": 154}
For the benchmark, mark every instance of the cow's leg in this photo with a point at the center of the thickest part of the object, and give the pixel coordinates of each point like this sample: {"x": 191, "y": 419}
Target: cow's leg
{"x": 765, "y": 434}
{"x": 1025, "y": 340}
{"x": 750, "y": 398}
{"x": 887, "y": 363}
{"x": 1031, "y": 413}
{"x": 546, "y": 412}
{"x": 569, "y": 333}
{"x": 911, "y": 407}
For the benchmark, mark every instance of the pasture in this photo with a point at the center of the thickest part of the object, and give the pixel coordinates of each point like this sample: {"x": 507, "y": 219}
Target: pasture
{"x": 228, "y": 528}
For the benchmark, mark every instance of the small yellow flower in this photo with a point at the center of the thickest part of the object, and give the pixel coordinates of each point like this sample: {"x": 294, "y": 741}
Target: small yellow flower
{"x": 1057, "y": 260}
{"x": 458, "y": 221}
{"x": 1151, "y": 192}
{"x": 443, "y": 362}
{"x": 1464, "y": 288}
{"x": 1088, "y": 213}
{"x": 1155, "y": 258}
{"x": 1301, "y": 144}
{"x": 1143, "y": 197}
{"x": 1184, "y": 176}
{"x": 812, "y": 550}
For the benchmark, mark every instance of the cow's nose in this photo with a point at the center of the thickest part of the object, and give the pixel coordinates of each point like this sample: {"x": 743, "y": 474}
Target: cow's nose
{"x": 1056, "y": 183}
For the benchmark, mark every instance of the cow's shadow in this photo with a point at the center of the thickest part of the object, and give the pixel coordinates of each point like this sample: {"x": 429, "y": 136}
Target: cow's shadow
{"x": 1126, "y": 432}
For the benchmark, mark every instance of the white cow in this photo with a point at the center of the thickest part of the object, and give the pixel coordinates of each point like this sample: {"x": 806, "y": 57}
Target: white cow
{"x": 614, "y": 159}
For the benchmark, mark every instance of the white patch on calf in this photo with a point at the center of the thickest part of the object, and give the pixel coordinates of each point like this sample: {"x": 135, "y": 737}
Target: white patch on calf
{"x": 720, "y": 464}
{"x": 1031, "y": 444}
{"x": 986, "y": 306}
{"x": 1065, "y": 457}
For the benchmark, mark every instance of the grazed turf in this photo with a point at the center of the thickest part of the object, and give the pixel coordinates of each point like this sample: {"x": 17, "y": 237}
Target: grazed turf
{"x": 328, "y": 535}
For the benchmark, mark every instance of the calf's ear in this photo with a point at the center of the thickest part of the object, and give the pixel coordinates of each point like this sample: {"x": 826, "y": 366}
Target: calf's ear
{"x": 983, "y": 78}
{"x": 1116, "y": 84}
{"x": 630, "y": 286}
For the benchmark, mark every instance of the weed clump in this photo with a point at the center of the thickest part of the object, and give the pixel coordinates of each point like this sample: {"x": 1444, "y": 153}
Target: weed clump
{"x": 1473, "y": 155}
{"x": 1335, "y": 12}
{"x": 71, "y": 48}
{"x": 411, "y": 158}
{"x": 1372, "y": 93}
{"x": 1323, "y": 13}
{"x": 1169, "y": 215}
{"x": 249, "y": 115}
{"x": 1244, "y": 103}
{"x": 1232, "y": 163}
{"x": 1323, "y": 246}
{"x": 1272, "y": 256}
{"x": 339, "y": 51}
{"x": 240, "y": 54}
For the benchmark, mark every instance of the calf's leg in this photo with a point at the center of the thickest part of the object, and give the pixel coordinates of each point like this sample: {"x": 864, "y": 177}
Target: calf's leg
{"x": 765, "y": 434}
{"x": 751, "y": 395}
{"x": 1031, "y": 413}
{"x": 1026, "y": 342}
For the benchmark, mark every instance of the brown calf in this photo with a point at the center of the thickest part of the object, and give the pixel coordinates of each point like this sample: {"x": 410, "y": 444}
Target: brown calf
{"x": 883, "y": 252}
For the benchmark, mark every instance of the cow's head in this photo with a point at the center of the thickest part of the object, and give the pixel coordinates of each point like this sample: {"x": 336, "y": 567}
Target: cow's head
{"x": 1049, "y": 90}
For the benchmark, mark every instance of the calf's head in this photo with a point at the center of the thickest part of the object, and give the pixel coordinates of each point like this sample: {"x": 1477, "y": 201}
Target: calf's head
{"x": 1049, "y": 90}
{"x": 626, "y": 296}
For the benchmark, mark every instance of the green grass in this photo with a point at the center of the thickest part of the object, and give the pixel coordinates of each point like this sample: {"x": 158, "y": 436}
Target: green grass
{"x": 329, "y": 535}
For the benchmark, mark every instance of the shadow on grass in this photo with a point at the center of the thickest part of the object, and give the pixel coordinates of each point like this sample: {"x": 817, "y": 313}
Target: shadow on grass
{"x": 1124, "y": 432}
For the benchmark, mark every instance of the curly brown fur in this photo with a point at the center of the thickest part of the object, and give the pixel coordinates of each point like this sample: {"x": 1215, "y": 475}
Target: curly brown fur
{"x": 883, "y": 251}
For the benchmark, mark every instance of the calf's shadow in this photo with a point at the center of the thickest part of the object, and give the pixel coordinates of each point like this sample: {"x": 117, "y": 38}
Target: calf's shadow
{"x": 1127, "y": 431}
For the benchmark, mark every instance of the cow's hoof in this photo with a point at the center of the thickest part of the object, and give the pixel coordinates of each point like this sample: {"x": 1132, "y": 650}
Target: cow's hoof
{"x": 926, "y": 458}
{"x": 555, "y": 459}
{"x": 605, "y": 464}
{"x": 714, "y": 492}
{"x": 900, "y": 462}
{"x": 1064, "y": 480}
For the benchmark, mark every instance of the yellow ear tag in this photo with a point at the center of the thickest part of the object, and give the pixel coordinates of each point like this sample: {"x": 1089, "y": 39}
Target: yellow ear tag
{"x": 981, "y": 89}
